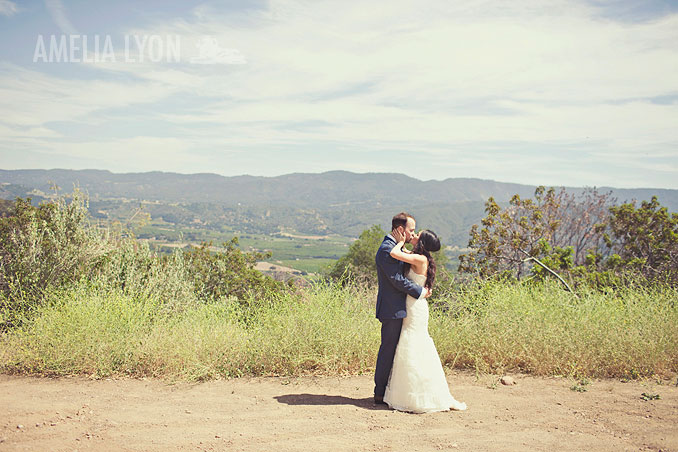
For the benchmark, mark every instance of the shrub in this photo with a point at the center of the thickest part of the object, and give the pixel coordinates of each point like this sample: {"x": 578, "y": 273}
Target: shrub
{"x": 54, "y": 246}
{"x": 358, "y": 265}
{"x": 43, "y": 248}
{"x": 229, "y": 272}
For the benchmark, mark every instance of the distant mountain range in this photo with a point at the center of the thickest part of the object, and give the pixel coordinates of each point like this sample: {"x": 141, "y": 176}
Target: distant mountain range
{"x": 337, "y": 201}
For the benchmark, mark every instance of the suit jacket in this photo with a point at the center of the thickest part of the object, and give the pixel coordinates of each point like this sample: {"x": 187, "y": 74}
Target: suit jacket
{"x": 393, "y": 285}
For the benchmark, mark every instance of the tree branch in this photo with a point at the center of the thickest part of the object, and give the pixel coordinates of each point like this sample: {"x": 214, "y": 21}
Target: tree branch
{"x": 530, "y": 258}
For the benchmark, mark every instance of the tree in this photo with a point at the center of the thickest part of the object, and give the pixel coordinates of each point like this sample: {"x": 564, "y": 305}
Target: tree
{"x": 644, "y": 239}
{"x": 359, "y": 264}
{"x": 581, "y": 221}
{"x": 55, "y": 246}
{"x": 560, "y": 227}
{"x": 229, "y": 272}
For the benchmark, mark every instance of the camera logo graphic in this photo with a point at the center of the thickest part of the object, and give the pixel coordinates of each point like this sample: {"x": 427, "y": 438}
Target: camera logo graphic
{"x": 210, "y": 52}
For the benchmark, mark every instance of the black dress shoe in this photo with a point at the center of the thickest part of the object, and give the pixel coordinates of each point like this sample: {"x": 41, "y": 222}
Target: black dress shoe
{"x": 378, "y": 400}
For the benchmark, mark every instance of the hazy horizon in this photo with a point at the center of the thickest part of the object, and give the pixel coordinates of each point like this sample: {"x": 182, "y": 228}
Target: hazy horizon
{"x": 331, "y": 171}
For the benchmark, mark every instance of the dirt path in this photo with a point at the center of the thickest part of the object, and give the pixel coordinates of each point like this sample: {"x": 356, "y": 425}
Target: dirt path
{"x": 309, "y": 414}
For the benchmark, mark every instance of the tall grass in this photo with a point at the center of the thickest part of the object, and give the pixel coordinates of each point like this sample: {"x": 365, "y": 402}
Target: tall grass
{"x": 329, "y": 329}
{"x": 541, "y": 329}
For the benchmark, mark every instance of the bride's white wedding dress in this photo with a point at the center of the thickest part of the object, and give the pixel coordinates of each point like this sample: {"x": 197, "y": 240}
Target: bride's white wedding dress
{"x": 417, "y": 382}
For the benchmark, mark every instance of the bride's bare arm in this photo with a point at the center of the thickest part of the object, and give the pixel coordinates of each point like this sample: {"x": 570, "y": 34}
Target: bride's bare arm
{"x": 414, "y": 259}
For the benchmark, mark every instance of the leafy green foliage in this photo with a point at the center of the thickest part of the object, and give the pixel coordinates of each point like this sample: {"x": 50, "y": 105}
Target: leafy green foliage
{"x": 330, "y": 329}
{"x": 133, "y": 269}
{"x": 54, "y": 246}
{"x": 359, "y": 264}
{"x": 229, "y": 272}
{"x": 6, "y": 208}
{"x": 42, "y": 248}
{"x": 644, "y": 239}
{"x": 581, "y": 385}
{"x": 556, "y": 226}
{"x": 586, "y": 238}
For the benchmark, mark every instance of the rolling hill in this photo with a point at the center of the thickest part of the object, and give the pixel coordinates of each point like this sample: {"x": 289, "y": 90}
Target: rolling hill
{"x": 336, "y": 202}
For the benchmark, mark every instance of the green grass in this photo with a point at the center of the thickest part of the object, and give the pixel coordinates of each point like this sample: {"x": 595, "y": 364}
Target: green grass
{"x": 330, "y": 330}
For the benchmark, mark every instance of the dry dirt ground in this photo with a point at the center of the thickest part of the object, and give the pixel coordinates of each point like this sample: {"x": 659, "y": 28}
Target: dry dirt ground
{"x": 331, "y": 413}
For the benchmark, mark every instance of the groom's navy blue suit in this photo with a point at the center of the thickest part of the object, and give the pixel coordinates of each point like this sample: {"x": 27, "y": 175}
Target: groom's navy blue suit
{"x": 391, "y": 309}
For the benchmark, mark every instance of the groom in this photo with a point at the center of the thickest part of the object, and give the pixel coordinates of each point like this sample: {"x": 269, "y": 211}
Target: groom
{"x": 393, "y": 290}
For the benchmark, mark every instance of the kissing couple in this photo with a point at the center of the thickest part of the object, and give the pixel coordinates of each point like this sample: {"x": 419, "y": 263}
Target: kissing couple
{"x": 409, "y": 375}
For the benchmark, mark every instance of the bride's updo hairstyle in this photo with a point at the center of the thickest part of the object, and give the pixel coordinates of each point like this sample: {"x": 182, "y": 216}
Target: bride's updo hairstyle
{"x": 428, "y": 243}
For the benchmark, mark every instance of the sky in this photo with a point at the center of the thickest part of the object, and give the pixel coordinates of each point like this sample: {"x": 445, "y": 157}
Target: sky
{"x": 574, "y": 93}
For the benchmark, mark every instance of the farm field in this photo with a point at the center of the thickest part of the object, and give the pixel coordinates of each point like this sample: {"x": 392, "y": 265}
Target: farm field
{"x": 304, "y": 253}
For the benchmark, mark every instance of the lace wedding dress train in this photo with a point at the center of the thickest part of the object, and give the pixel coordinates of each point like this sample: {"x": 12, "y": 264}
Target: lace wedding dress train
{"x": 417, "y": 382}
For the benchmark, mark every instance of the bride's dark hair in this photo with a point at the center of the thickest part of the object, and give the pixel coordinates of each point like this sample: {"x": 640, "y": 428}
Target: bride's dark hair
{"x": 428, "y": 243}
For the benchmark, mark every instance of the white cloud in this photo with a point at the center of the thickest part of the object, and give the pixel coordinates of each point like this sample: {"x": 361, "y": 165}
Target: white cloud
{"x": 58, "y": 13}
{"x": 8, "y": 8}
{"x": 429, "y": 65}
{"x": 31, "y": 98}
{"x": 440, "y": 80}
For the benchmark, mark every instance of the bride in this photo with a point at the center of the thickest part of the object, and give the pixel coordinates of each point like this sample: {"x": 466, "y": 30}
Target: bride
{"x": 417, "y": 382}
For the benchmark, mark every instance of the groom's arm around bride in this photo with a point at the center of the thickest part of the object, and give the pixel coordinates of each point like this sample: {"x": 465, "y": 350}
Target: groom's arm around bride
{"x": 393, "y": 285}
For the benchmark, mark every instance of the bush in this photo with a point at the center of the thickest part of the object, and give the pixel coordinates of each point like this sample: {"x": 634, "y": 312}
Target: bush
{"x": 537, "y": 328}
{"x": 229, "y": 272}
{"x": 83, "y": 330}
{"x": 43, "y": 248}
{"x": 133, "y": 269}
{"x": 358, "y": 265}
{"x": 54, "y": 246}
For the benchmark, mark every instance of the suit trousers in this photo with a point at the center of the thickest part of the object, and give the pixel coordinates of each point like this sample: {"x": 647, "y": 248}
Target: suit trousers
{"x": 390, "y": 334}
